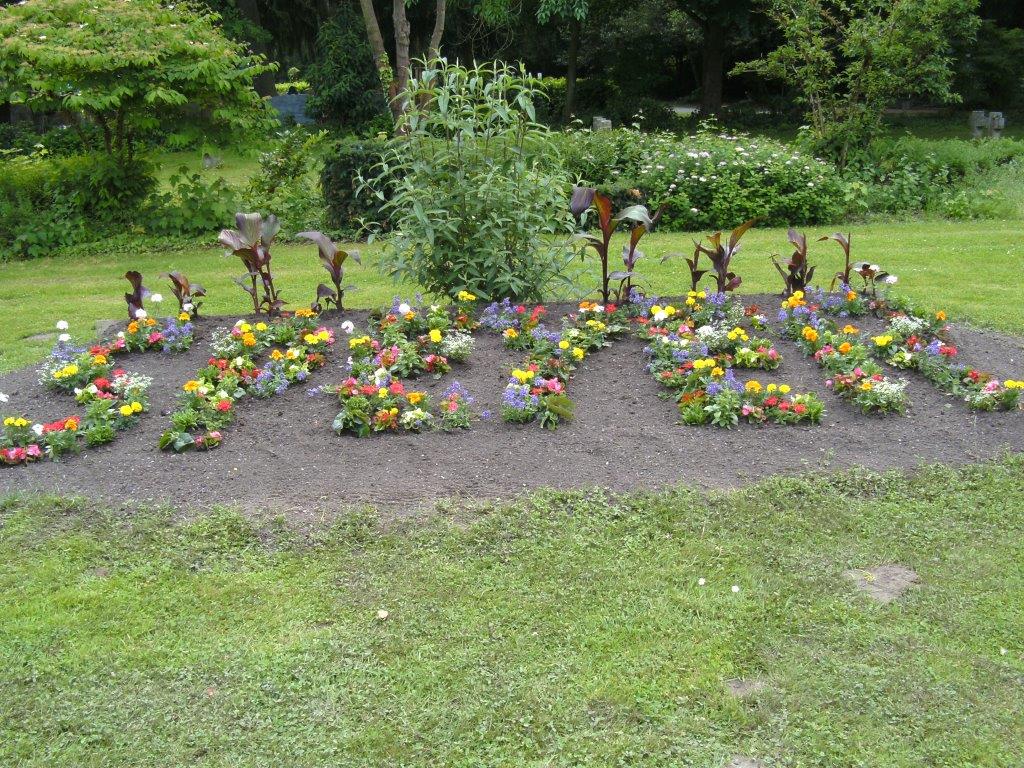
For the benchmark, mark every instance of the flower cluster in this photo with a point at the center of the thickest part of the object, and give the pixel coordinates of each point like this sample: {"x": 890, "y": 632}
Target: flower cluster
{"x": 536, "y": 388}
{"x": 114, "y": 399}
{"x": 145, "y": 334}
{"x": 295, "y": 347}
{"x": 921, "y": 342}
{"x": 844, "y": 354}
{"x": 386, "y": 405}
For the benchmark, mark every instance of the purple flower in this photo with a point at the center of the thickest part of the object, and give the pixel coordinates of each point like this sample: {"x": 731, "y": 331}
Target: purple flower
{"x": 455, "y": 388}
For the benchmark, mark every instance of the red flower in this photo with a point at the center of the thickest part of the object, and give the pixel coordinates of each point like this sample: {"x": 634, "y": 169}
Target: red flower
{"x": 772, "y": 401}
{"x": 224, "y": 406}
{"x": 118, "y": 372}
{"x": 784, "y": 405}
{"x": 101, "y": 383}
{"x": 396, "y": 388}
{"x": 800, "y": 408}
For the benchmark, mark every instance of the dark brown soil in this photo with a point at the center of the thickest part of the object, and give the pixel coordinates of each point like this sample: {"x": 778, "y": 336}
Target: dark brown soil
{"x": 280, "y": 455}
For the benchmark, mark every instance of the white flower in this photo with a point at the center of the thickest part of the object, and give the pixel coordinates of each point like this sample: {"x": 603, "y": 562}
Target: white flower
{"x": 64, "y": 338}
{"x": 187, "y": 307}
{"x": 404, "y": 309}
{"x": 4, "y": 398}
{"x": 381, "y": 376}
{"x": 890, "y": 280}
{"x": 348, "y": 327}
{"x": 38, "y": 429}
{"x": 62, "y": 325}
{"x": 701, "y": 581}
{"x": 120, "y": 334}
{"x": 156, "y": 298}
{"x": 659, "y": 316}
{"x": 735, "y": 588}
{"x": 140, "y": 314}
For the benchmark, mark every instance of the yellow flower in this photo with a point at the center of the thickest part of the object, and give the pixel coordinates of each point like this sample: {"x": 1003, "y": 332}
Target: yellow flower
{"x": 670, "y": 310}
{"x": 702, "y": 294}
{"x": 359, "y": 341}
{"x": 99, "y": 359}
{"x": 510, "y": 333}
{"x": 126, "y": 410}
{"x": 717, "y": 371}
{"x": 324, "y": 335}
{"x": 417, "y": 397}
{"x": 690, "y": 301}
{"x": 522, "y": 376}
{"x": 261, "y": 326}
{"x": 435, "y": 335}
{"x": 71, "y": 424}
{"x": 850, "y": 329}
{"x": 770, "y": 388}
{"x": 882, "y": 341}
{"x": 563, "y": 344}
{"x": 291, "y": 354}
{"x": 244, "y": 328}
{"x": 1013, "y": 384}
{"x": 866, "y": 386}
{"x": 311, "y": 338}
{"x": 851, "y": 295}
{"x": 276, "y": 354}
{"x": 190, "y": 386}
{"x": 304, "y": 312}
{"x": 248, "y": 340}
{"x": 410, "y": 315}
{"x": 940, "y": 316}
{"x": 184, "y": 317}
{"x": 597, "y": 325}
{"x": 466, "y": 296}
{"x": 578, "y": 353}
{"x": 655, "y": 309}
{"x": 810, "y": 334}
{"x": 9, "y": 421}
{"x": 753, "y": 386}
{"x": 382, "y": 392}
{"x": 784, "y": 389}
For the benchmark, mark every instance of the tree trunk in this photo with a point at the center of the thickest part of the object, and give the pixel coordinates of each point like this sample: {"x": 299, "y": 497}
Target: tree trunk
{"x": 712, "y": 67}
{"x": 402, "y": 60}
{"x": 380, "y": 54}
{"x": 572, "y": 59}
{"x": 435, "y": 38}
{"x": 264, "y": 83}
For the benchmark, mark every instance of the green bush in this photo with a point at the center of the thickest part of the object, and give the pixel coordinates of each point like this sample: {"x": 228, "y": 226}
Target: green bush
{"x": 478, "y": 196}
{"x": 346, "y": 88}
{"x": 287, "y": 183}
{"x": 191, "y": 206}
{"x": 707, "y": 180}
{"x": 347, "y": 210}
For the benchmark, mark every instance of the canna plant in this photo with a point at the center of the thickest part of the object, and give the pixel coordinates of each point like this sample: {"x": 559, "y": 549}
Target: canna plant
{"x": 138, "y": 293}
{"x": 798, "y": 273}
{"x": 842, "y": 277}
{"x": 585, "y": 197}
{"x": 186, "y": 292}
{"x": 333, "y": 260}
{"x": 251, "y": 243}
{"x": 696, "y": 273}
{"x": 721, "y": 256}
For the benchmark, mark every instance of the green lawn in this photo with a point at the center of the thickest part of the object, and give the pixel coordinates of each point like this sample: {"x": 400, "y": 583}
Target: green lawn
{"x": 564, "y": 629}
{"x": 972, "y": 269}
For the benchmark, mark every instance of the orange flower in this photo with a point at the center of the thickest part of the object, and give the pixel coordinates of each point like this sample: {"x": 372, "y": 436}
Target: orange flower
{"x": 248, "y": 340}
{"x": 845, "y": 348}
{"x": 940, "y": 316}
{"x": 851, "y": 295}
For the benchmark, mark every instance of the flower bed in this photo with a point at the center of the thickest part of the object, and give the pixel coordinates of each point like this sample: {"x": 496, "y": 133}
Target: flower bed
{"x": 692, "y": 351}
{"x": 536, "y": 388}
{"x": 917, "y": 341}
{"x": 409, "y": 341}
{"x": 295, "y": 347}
{"x": 113, "y": 398}
{"x": 845, "y": 355}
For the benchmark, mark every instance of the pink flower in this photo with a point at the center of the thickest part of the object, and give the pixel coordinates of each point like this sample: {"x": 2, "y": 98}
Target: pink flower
{"x": 34, "y": 451}
{"x": 155, "y": 337}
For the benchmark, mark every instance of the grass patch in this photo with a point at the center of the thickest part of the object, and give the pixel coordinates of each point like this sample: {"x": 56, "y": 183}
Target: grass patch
{"x": 564, "y": 629}
{"x": 930, "y": 257}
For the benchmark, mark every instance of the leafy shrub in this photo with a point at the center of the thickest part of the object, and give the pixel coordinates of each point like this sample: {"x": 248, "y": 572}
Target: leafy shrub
{"x": 288, "y": 180}
{"x": 346, "y": 87}
{"x": 474, "y": 186}
{"x": 192, "y": 205}
{"x": 350, "y": 160}
{"x": 707, "y": 180}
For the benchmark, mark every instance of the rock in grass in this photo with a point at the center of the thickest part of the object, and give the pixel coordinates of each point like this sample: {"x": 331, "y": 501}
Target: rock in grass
{"x": 742, "y": 688}
{"x": 884, "y": 583}
{"x": 107, "y": 328}
{"x": 741, "y": 761}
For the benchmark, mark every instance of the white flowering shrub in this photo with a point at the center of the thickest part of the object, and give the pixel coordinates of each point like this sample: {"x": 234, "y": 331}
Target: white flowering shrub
{"x": 707, "y": 180}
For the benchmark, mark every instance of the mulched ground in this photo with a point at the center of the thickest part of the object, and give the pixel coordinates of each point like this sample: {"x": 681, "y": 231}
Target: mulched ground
{"x": 280, "y": 455}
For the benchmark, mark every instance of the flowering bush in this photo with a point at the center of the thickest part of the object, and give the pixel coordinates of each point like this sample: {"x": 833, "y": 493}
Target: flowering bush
{"x": 297, "y": 347}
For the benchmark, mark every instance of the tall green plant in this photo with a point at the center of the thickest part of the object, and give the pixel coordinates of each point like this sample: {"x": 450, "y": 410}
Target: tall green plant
{"x": 473, "y": 186}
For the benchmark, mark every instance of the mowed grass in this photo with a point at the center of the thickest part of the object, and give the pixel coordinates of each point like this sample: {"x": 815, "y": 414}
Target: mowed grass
{"x": 563, "y": 629}
{"x": 973, "y": 270}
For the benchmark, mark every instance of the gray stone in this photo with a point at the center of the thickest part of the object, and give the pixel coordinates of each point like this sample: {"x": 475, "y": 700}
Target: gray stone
{"x": 292, "y": 107}
{"x": 601, "y": 124}
{"x": 884, "y": 583}
{"x": 108, "y": 328}
{"x": 41, "y": 337}
{"x": 742, "y": 761}
{"x": 742, "y": 688}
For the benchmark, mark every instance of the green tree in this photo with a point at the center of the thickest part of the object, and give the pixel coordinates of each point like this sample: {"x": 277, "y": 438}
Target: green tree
{"x": 849, "y": 59}
{"x": 573, "y": 12}
{"x": 716, "y": 20}
{"x": 130, "y": 68}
